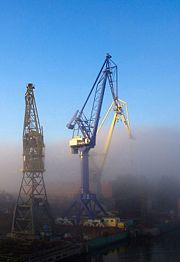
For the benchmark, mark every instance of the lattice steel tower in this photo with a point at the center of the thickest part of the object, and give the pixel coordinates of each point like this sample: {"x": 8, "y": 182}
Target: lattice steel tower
{"x": 31, "y": 215}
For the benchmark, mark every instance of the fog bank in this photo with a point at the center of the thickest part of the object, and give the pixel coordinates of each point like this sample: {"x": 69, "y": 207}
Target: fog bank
{"x": 154, "y": 152}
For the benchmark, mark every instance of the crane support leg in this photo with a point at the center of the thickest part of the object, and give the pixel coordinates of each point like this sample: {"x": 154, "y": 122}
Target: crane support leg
{"x": 86, "y": 204}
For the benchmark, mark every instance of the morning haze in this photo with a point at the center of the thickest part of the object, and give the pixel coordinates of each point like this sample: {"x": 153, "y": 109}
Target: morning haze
{"x": 153, "y": 152}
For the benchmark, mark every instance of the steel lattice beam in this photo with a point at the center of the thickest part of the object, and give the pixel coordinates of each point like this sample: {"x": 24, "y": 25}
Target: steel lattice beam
{"x": 32, "y": 218}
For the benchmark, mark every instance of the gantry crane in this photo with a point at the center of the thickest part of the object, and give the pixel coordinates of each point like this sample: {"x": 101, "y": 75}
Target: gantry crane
{"x": 85, "y": 131}
{"x": 32, "y": 218}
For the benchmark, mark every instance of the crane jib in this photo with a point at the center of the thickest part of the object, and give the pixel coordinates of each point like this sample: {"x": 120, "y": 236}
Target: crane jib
{"x": 88, "y": 126}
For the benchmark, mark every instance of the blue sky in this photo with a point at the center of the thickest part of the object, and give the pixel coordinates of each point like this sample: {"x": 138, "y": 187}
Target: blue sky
{"x": 60, "y": 46}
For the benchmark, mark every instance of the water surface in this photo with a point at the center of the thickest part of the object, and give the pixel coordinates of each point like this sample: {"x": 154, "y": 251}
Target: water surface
{"x": 162, "y": 249}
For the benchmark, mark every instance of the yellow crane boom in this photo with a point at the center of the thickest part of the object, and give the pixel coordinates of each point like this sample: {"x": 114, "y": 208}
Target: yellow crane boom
{"x": 120, "y": 114}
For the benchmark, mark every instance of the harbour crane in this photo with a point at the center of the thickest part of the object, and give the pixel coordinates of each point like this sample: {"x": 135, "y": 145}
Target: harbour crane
{"x": 117, "y": 117}
{"x": 32, "y": 217}
{"x": 85, "y": 132}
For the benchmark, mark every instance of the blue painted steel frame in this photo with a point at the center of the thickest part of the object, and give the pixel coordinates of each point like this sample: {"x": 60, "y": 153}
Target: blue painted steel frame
{"x": 87, "y": 201}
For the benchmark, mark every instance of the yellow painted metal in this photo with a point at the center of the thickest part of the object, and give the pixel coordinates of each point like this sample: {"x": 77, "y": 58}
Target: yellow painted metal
{"x": 118, "y": 109}
{"x": 108, "y": 142}
{"x": 113, "y": 222}
{"x": 120, "y": 113}
{"x": 105, "y": 117}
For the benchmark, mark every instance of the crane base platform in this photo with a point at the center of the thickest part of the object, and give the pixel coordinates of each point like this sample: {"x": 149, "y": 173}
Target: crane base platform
{"x": 86, "y": 205}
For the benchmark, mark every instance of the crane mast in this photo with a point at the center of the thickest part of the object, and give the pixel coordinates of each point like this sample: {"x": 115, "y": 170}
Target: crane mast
{"x": 33, "y": 142}
{"x": 85, "y": 131}
{"x": 31, "y": 215}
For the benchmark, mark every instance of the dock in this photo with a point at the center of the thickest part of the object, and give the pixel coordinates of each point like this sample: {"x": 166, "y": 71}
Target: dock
{"x": 38, "y": 251}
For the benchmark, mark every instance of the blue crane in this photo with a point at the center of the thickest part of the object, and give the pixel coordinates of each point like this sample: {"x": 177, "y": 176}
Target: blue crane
{"x": 85, "y": 131}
